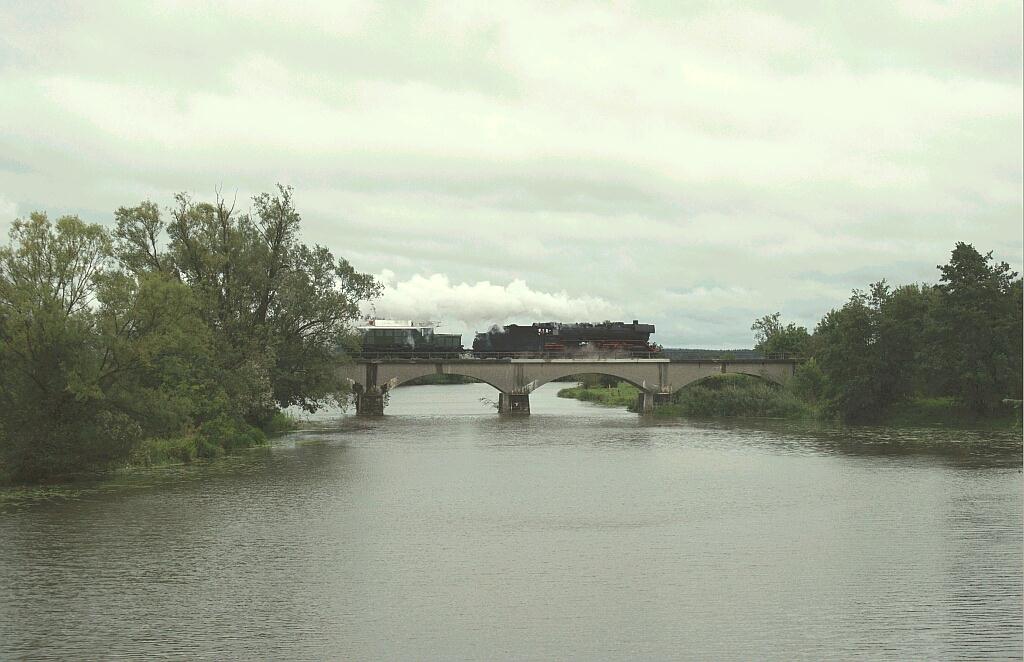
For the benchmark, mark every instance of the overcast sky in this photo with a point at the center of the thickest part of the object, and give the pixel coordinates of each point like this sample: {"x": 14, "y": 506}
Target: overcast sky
{"x": 695, "y": 168}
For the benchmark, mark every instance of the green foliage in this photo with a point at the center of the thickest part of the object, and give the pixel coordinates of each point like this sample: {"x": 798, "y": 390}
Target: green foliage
{"x": 210, "y": 322}
{"x": 809, "y": 382}
{"x": 158, "y": 451}
{"x": 278, "y": 309}
{"x": 720, "y": 395}
{"x": 978, "y": 315}
{"x": 598, "y": 381}
{"x": 621, "y": 395}
{"x": 282, "y": 422}
{"x": 775, "y": 339}
{"x": 230, "y": 433}
{"x": 81, "y": 349}
{"x": 735, "y": 395}
{"x": 869, "y": 350}
{"x": 959, "y": 339}
{"x": 947, "y": 411}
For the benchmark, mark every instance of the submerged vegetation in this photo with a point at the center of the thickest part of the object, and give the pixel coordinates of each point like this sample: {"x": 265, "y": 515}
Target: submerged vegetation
{"x": 168, "y": 338}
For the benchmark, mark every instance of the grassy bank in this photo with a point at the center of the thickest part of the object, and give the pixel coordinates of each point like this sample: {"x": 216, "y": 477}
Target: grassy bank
{"x": 734, "y": 396}
{"x": 945, "y": 412}
{"x": 621, "y": 395}
{"x": 728, "y": 395}
{"x": 214, "y": 439}
{"x": 744, "y": 396}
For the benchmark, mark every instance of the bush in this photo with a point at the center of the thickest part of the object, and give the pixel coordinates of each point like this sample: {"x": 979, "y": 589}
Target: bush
{"x": 227, "y": 433}
{"x": 36, "y": 449}
{"x": 621, "y": 395}
{"x": 173, "y": 450}
{"x": 809, "y": 382}
{"x": 213, "y": 439}
{"x": 280, "y": 423}
{"x": 735, "y": 395}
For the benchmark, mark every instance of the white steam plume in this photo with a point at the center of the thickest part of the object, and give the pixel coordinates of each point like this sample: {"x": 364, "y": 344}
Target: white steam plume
{"x": 478, "y": 305}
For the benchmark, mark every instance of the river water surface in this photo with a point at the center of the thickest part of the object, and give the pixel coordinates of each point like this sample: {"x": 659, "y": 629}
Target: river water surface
{"x": 445, "y": 532}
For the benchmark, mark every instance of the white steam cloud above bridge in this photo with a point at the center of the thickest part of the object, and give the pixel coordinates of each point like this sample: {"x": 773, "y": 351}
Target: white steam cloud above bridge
{"x": 480, "y": 304}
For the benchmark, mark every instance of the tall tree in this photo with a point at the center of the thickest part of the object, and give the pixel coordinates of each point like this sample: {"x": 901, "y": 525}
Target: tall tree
{"x": 81, "y": 346}
{"x": 868, "y": 350}
{"x": 279, "y": 310}
{"x": 775, "y": 339}
{"x": 978, "y": 341}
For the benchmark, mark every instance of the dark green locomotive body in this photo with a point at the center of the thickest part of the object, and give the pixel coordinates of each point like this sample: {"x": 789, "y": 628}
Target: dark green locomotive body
{"x": 406, "y": 338}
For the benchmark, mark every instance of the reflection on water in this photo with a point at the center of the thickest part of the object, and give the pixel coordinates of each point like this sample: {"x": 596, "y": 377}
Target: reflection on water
{"x": 444, "y": 531}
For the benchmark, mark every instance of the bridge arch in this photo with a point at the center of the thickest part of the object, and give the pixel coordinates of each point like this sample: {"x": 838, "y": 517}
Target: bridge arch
{"x": 646, "y": 380}
{"x": 763, "y": 376}
{"x": 392, "y": 375}
{"x": 395, "y": 382}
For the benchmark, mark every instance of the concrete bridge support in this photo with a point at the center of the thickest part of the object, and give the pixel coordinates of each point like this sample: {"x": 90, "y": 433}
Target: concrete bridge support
{"x": 514, "y": 404}
{"x": 648, "y": 401}
{"x": 645, "y": 403}
{"x": 370, "y": 404}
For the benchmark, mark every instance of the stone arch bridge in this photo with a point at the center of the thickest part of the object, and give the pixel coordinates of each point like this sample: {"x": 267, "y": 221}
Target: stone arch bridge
{"x": 515, "y": 378}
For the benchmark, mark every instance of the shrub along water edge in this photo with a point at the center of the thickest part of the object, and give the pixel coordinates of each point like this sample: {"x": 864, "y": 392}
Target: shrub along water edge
{"x": 622, "y": 394}
{"x": 719, "y": 395}
{"x": 736, "y": 395}
{"x": 174, "y": 335}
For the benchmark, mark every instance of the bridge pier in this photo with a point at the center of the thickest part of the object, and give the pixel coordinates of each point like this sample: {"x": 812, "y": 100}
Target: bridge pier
{"x": 370, "y": 404}
{"x": 647, "y": 402}
{"x": 517, "y": 404}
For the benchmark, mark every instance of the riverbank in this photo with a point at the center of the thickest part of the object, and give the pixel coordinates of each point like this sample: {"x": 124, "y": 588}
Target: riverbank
{"x": 740, "y": 396}
{"x": 727, "y": 396}
{"x": 212, "y": 440}
{"x": 621, "y": 395}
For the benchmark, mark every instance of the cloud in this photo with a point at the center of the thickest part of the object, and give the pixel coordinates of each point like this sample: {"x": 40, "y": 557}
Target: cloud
{"x": 8, "y": 212}
{"x": 481, "y": 304}
{"x": 758, "y": 156}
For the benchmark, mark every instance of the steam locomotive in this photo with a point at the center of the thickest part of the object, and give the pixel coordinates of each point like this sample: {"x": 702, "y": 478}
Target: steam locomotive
{"x": 558, "y": 339}
{"x": 410, "y": 339}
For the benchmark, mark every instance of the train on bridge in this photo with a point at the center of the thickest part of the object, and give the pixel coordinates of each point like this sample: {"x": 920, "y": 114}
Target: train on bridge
{"x": 383, "y": 338}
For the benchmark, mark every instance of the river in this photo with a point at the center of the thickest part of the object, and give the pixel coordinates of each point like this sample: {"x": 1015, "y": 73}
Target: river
{"x": 445, "y": 532}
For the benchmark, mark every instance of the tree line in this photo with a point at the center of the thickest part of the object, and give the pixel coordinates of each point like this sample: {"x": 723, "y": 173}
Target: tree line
{"x": 202, "y": 321}
{"x": 960, "y": 338}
